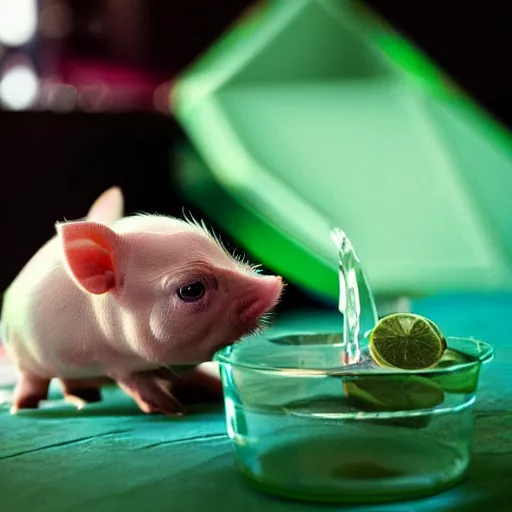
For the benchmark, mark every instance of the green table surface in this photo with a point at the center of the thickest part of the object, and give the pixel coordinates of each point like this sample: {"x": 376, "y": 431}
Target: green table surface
{"x": 110, "y": 457}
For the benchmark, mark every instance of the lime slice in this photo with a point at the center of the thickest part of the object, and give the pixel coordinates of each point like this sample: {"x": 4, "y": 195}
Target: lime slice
{"x": 451, "y": 358}
{"x": 394, "y": 393}
{"x": 406, "y": 341}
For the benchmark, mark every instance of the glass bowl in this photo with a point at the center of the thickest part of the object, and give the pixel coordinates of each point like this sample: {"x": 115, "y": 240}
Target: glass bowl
{"x": 305, "y": 428}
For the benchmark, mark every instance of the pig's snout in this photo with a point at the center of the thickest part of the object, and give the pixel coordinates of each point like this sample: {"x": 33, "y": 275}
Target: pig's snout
{"x": 258, "y": 300}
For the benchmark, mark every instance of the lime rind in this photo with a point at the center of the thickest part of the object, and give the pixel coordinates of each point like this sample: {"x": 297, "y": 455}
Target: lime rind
{"x": 437, "y": 330}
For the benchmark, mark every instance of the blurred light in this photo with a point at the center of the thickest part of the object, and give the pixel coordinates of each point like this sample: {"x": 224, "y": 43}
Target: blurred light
{"x": 19, "y": 87}
{"x": 18, "y": 21}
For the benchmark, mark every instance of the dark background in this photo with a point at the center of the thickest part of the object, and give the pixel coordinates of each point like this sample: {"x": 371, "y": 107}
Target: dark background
{"x": 54, "y": 165}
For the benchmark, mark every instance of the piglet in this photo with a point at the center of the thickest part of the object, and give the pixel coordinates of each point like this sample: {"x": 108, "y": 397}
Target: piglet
{"x": 114, "y": 298}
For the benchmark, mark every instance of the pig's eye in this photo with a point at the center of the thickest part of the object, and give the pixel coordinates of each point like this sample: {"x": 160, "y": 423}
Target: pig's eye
{"x": 192, "y": 292}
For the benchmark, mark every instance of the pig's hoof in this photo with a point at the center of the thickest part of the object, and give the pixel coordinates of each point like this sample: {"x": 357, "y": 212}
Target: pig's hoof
{"x": 29, "y": 402}
{"x": 80, "y": 393}
{"x": 83, "y": 397}
{"x": 152, "y": 393}
{"x": 171, "y": 409}
{"x": 160, "y": 403}
{"x": 29, "y": 392}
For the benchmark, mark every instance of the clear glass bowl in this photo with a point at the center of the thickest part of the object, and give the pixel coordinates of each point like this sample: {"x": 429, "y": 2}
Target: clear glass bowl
{"x": 300, "y": 432}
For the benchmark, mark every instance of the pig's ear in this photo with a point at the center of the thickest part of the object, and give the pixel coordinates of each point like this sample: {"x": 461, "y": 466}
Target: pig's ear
{"x": 108, "y": 208}
{"x": 89, "y": 254}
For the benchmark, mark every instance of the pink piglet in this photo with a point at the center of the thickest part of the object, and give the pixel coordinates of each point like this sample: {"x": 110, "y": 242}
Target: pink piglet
{"x": 115, "y": 298}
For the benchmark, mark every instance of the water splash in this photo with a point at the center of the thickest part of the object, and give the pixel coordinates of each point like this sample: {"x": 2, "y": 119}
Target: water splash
{"x": 356, "y": 302}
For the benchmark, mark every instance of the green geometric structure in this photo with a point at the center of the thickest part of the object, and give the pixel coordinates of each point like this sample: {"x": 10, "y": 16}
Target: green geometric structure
{"x": 311, "y": 113}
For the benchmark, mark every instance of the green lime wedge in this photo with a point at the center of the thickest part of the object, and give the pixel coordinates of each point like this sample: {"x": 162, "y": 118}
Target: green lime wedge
{"x": 406, "y": 341}
{"x": 394, "y": 393}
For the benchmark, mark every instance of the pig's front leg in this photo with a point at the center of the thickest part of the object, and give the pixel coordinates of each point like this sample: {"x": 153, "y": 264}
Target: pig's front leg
{"x": 152, "y": 391}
